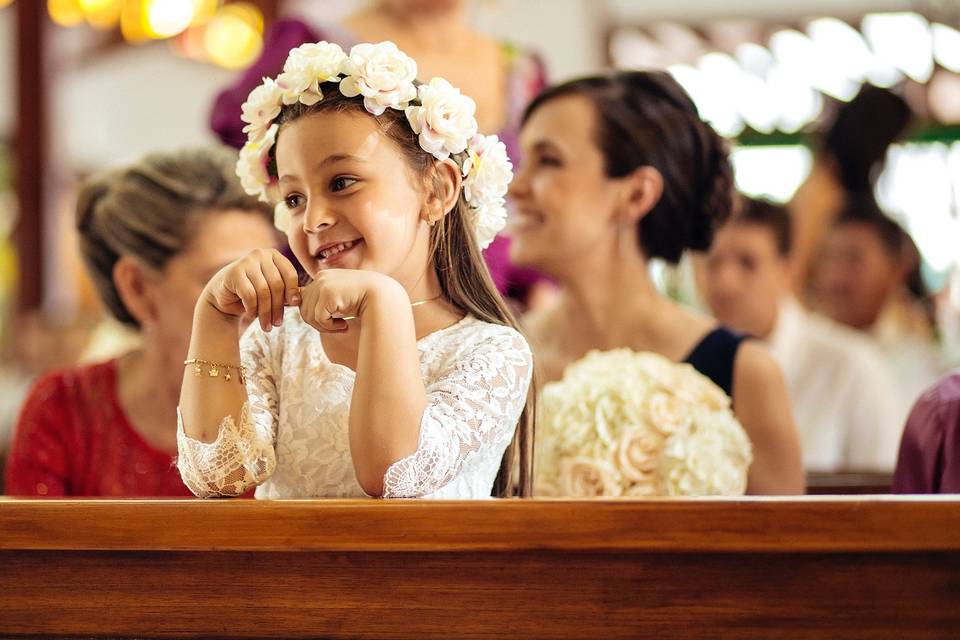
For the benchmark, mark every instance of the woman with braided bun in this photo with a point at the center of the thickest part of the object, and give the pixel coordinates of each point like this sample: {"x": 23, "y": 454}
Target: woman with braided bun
{"x": 151, "y": 235}
{"x": 618, "y": 170}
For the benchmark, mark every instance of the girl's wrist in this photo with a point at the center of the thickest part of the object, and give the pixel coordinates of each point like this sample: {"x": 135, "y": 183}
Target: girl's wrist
{"x": 384, "y": 294}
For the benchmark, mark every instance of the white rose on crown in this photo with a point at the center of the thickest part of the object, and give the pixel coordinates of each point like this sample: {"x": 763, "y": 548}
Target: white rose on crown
{"x": 252, "y": 167}
{"x": 487, "y": 170}
{"x": 487, "y": 173}
{"x": 488, "y": 220}
{"x": 260, "y": 109}
{"x": 306, "y": 68}
{"x": 438, "y": 113}
{"x": 382, "y": 74}
{"x": 281, "y": 216}
{"x": 444, "y": 119}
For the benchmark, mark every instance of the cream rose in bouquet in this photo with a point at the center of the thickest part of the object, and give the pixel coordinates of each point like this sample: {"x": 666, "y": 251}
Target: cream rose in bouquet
{"x": 622, "y": 423}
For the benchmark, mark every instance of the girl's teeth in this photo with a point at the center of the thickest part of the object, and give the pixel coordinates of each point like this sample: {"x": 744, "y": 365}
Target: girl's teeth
{"x": 332, "y": 251}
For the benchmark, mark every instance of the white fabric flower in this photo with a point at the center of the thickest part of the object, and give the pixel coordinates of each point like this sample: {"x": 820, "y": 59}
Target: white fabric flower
{"x": 487, "y": 174}
{"x": 262, "y": 106}
{"x": 253, "y": 165}
{"x": 382, "y": 74}
{"x": 306, "y": 68}
{"x": 444, "y": 119}
{"x": 281, "y": 216}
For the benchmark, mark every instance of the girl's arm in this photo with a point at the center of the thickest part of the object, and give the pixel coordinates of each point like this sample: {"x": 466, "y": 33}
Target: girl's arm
{"x": 762, "y": 405}
{"x": 388, "y": 397}
{"x": 225, "y": 437}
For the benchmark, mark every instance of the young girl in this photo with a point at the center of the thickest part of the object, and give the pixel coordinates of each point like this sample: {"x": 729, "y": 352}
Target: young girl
{"x": 397, "y": 371}
{"x": 617, "y": 170}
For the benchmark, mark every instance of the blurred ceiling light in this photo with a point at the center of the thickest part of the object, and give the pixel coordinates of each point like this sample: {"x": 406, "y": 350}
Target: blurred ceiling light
{"x": 943, "y": 96}
{"x": 66, "y": 13}
{"x": 917, "y": 185}
{"x": 773, "y": 172}
{"x": 799, "y": 55}
{"x": 842, "y": 46}
{"x": 706, "y": 88}
{"x": 946, "y": 46}
{"x": 102, "y": 14}
{"x": 132, "y": 22}
{"x": 755, "y": 59}
{"x": 96, "y": 6}
{"x": 233, "y": 38}
{"x": 798, "y": 104}
{"x": 5, "y": 3}
{"x": 902, "y": 40}
{"x": 167, "y": 18}
{"x": 731, "y": 89}
{"x": 757, "y": 106}
{"x": 204, "y": 10}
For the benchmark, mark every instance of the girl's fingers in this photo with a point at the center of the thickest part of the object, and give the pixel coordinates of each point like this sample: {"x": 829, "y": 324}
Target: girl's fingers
{"x": 274, "y": 282}
{"x": 291, "y": 279}
{"x": 248, "y": 296}
{"x": 264, "y": 298}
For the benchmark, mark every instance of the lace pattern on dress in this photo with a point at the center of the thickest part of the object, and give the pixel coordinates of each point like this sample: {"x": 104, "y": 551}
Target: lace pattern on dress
{"x": 471, "y": 408}
{"x": 476, "y": 376}
{"x": 238, "y": 459}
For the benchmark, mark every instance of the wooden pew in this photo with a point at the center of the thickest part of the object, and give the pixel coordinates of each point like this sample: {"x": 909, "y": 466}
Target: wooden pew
{"x": 880, "y": 567}
{"x": 848, "y": 483}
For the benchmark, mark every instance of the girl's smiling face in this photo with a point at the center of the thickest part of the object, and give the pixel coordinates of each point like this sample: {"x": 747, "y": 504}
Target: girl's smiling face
{"x": 354, "y": 201}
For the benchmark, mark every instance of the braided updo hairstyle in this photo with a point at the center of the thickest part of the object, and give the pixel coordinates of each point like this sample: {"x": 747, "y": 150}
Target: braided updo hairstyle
{"x": 645, "y": 118}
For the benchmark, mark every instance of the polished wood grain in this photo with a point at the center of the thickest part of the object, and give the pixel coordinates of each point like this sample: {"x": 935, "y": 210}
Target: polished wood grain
{"x": 745, "y": 524}
{"x": 849, "y": 483}
{"x": 747, "y": 568}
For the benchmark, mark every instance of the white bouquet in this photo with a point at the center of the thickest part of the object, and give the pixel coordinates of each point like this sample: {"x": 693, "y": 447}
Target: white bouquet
{"x": 622, "y": 423}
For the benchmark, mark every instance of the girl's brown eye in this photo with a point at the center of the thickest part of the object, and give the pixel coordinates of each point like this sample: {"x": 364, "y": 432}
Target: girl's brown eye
{"x": 340, "y": 183}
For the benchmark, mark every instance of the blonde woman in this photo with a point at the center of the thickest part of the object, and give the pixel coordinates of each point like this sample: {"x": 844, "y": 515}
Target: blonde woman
{"x": 151, "y": 234}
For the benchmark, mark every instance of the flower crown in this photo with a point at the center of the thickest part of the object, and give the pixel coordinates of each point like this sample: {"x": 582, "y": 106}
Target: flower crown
{"x": 437, "y": 112}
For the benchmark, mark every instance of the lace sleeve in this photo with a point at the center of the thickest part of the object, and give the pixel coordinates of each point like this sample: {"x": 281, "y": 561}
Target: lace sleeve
{"x": 243, "y": 454}
{"x": 472, "y": 412}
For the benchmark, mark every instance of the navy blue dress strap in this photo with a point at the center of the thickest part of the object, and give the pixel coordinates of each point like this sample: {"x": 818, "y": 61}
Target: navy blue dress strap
{"x": 715, "y": 356}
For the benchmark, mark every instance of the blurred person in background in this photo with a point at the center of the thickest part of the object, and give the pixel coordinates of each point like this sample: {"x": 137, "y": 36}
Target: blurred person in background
{"x": 929, "y": 459}
{"x": 869, "y": 280}
{"x": 849, "y": 160}
{"x": 151, "y": 235}
{"x": 618, "y": 170}
{"x": 840, "y": 387}
{"x": 499, "y": 76}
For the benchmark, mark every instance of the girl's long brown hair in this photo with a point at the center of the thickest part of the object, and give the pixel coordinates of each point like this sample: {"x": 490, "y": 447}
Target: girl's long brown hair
{"x": 461, "y": 270}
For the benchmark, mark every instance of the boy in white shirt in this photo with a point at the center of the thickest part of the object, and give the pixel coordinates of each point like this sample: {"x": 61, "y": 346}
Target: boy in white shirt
{"x": 844, "y": 396}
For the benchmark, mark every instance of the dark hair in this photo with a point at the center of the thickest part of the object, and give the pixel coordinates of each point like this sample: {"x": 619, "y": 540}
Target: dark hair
{"x": 464, "y": 278}
{"x": 774, "y": 217}
{"x": 861, "y": 208}
{"x": 150, "y": 209}
{"x": 862, "y": 131}
{"x": 645, "y": 118}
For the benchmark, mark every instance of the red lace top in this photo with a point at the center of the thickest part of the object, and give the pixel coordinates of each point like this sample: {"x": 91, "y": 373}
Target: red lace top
{"x": 73, "y": 439}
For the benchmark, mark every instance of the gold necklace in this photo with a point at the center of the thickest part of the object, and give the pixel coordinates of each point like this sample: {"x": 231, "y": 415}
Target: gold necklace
{"x": 418, "y": 303}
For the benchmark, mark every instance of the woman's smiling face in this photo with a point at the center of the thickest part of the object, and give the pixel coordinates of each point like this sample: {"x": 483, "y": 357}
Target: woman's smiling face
{"x": 564, "y": 204}
{"x": 353, "y": 198}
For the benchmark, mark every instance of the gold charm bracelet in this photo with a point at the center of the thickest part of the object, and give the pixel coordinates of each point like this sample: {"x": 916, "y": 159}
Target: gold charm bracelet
{"x": 216, "y": 369}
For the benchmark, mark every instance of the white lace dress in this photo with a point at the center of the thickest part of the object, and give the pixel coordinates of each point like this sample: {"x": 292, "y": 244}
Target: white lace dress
{"x": 292, "y": 436}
